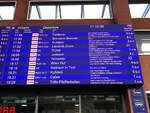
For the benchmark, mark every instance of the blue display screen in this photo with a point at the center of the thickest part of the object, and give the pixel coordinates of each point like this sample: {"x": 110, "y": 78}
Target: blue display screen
{"x": 80, "y": 54}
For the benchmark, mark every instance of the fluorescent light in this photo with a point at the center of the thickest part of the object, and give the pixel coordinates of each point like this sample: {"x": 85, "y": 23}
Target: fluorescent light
{"x": 110, "y": 99}
{"x": 24, "y": 105}
{"x": 76, "y": 105}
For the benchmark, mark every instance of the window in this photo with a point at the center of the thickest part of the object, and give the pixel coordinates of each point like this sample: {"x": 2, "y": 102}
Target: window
{"x": 58, "y": 104}
{"x": 100, "y": 11}
{"x": 63, "y": 104}
{"x": 21, "y": 104}
{"x": 140, "y": 10}
{"x": 143, "y": 42}
{"x": 7, "y": 10}
{"x": 70, "y": 11}
{"x": 148, "y": 96}
{"x": 145, "y": 47}
{"x": 73, "y": 10}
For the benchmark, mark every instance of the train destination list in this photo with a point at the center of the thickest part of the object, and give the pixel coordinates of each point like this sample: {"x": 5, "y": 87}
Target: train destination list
{"x": 80, "y": 54}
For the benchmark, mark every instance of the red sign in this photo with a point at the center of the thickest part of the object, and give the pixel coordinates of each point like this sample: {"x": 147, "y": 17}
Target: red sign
{"x": 7, "y": 109}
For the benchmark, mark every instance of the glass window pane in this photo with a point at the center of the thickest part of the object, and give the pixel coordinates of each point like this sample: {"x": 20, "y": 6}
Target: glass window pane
{"x": 148, "y": 14}
{"x": 21, "y": 104}
{"x": 137, "y": 10}
{"x": 145, "y": 47}
{"x": 92, "y": 11}
{"x": 63, "y": 104}
{"x": 143, "y": 42}
{"x": 7, "y": 12}
{"x": 148, "y": 96}
{"x": 48, "y": 12}
{"x": 107, "y": 13}
{"x": 71, "y": 11}
{"x": 34, "y": 13}
{"x": 101, "y": 104}
{"x": 58, "y": 104}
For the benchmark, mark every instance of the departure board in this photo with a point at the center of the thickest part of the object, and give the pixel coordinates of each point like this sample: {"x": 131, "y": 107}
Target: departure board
{"x": 79, "y": 54}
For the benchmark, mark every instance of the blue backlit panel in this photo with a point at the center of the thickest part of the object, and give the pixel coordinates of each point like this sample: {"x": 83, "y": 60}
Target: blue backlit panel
{"x": 85, "y": 54}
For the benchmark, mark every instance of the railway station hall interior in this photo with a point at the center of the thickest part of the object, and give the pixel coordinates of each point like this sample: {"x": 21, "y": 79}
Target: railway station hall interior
{"x": 74, "y": 56}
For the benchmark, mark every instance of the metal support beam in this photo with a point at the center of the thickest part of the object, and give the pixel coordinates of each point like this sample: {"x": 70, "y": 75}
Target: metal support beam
{"x": 110, "y": 10}
{"x": 38, "y": 11}
{"x": 82, "y": 11}
{"x": 56, "y": 11}
{"x": 103, "y": 10}
{"x": 146, "y": 11}
{"x": 30, "y": 10}
{"x": 36, "y": 104}
{"x": 60, "y": 12}
{"x": 80, "y": 104}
